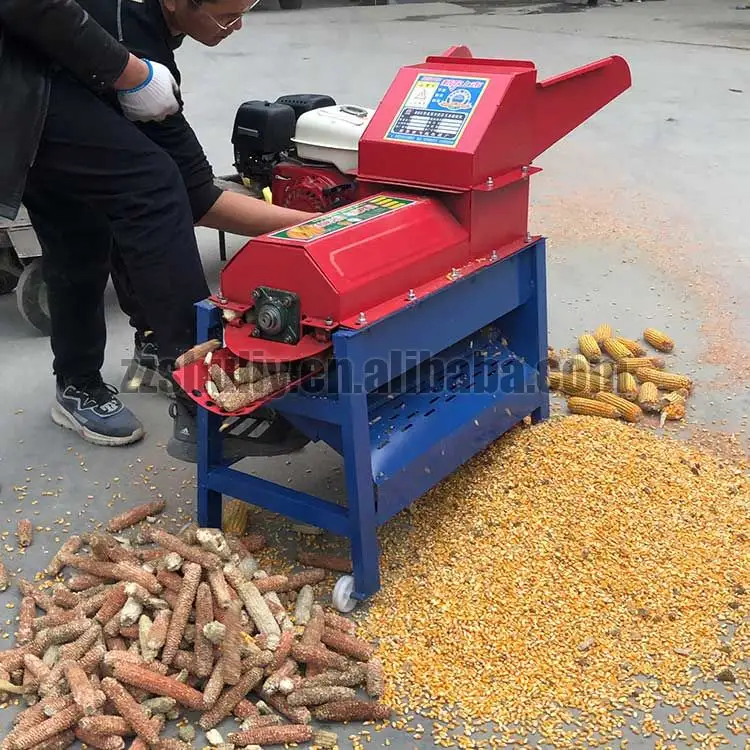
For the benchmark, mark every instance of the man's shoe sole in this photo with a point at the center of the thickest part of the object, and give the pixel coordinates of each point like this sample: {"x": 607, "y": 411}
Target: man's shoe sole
{"x": 63, "y": 418}
{"x": 234, "y": 450}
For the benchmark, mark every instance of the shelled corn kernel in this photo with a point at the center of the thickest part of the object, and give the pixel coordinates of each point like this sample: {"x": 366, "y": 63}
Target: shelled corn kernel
{"x": 658, "y": 340}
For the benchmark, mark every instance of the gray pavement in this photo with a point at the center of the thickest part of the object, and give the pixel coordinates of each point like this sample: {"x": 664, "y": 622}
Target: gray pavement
{"x": 644, "y": 207}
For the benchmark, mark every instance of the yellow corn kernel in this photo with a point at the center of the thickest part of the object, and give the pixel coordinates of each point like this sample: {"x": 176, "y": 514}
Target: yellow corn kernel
{"x": 648, "y": 397}
{"x": 667, "y": 381}
{"x": 589, "y": 347}
{"x": 592, "y": 408}
{"x": 602, "y": 333}
{"x": 577, "y": 363}
{"x": 658, "y": 340}
{"x": 631, "y": 364}
{"x": 615, "y": 349}
{"x": 629, "y": 411}
{"x": 635, "y": 348}
{"x": 235, "y": 517}
{"x": 627, "y": 386}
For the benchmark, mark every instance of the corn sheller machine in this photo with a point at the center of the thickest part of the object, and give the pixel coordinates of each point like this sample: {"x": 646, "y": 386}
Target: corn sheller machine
{"x": 410, "y": 316}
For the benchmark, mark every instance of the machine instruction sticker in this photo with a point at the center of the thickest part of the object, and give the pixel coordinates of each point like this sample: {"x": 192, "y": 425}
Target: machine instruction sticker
{"x": 437, "y": 109}
{"x": 344, "y": 218}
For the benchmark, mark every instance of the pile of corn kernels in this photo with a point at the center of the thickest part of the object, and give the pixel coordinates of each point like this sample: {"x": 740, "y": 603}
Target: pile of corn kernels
{"x": 532, "y": 591}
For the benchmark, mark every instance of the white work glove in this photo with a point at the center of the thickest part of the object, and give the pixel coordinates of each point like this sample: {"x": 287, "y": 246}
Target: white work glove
{"x": 154, "y": 99}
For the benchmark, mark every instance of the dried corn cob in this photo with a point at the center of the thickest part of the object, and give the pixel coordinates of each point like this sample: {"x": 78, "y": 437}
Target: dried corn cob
{"x": 230, "y": 647}
{"x": 244, "y": 710}
{"x": 346, "y": 644}
{"x": 24, "y": 532}
{"x": 69, "y": 547}
{"x": 248, "y": 393}
{"x": 103, "y": 724}
{"x": 316, "y": 696}
{"x": 658, "y": 340}
{"x": 280, "y": 735}
{"x": 352, "y": 710}
{"x": 220, "y": 588}
{"x": 4, "y": 580}
{"x": 26, "y": 738}
{"x": 283, "y": 650}
{"x": 142, "y": 677}
{"x": 627, "y": 386}
{"x": 204, "y": 614}
{"x": 304, "y": 578}
{"x": 213, "y": 687}
{"x": 591, "y": 407}
{"x": 578, "y": 383}
{"x": 181, "y": 613}
{"x": 59, "y": 617}
{"x": 98, "y": 741}
{"x": 221, "y": 379}
{"x": 589, "y": 347}
{"x": 314, "y": 628}
{"x": 84, "y": 694}
{"x": 327, "y": 562}
{"x": 235, "y": 517}
{"x": 352, "y": 677}
{"x": 170, "y": 581}
{"x": 91, "y": 660}
{"x": 271, "y": 685}
{"x": 375, "y": 684}
{"x": 225, "y": 705}
{"x": 320, "y": 655}
{"x": 198, "y": 352}
{"x": 637, "y": 363}
{"x": 602, "y": 333}
{"x": 206, "y": 560}
{"x": 36, "y": 667}
{"x": 667, "y": 381}
{"x": 635, "y": 348}
{"x": 303, "y": 605}
{"x": 648, "y": 397}
{"x": 136, "y": 515}
{"x": 257, "y": 608}
{"x": 42, "y": 600}
{"x": 172, "y": 744}
{"x": 63, "y": 597}
{"x": 270, "y": 583}
{"x": 249, "y": 373}
{"x": 298, "y": 715}
{"x": 338, "y": 622}
{"x": 629, "y": 411}
{"x": 576, "y": 363}
{"x": 615, "y": 349}
{"x": 62, "y": 633}
{"x": 131, "y": 711}
{"x": 26, "y": 617}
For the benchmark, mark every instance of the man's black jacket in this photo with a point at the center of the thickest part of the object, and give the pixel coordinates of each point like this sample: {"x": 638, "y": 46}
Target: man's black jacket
{"x": 34, "y": 36}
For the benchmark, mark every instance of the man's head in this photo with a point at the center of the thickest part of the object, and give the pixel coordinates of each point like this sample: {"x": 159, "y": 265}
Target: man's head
{"x": 207, "y": 21}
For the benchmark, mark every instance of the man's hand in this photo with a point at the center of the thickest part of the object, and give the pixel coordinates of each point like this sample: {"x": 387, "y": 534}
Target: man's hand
{"x": 147, "y": 91}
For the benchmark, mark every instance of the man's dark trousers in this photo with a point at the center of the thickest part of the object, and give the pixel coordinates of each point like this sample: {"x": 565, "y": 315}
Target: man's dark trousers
{"x": 98, "y": 181}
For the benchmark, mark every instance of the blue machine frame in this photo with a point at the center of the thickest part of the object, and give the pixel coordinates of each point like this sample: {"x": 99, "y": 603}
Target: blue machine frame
{"x": 408, "y": 400}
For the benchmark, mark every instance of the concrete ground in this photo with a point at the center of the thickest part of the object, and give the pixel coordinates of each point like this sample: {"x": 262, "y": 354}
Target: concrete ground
{"x": 644, "y": 207}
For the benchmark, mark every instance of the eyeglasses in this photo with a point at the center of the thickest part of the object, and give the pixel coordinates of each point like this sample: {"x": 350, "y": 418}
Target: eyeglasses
{"x": 224, "y": 27}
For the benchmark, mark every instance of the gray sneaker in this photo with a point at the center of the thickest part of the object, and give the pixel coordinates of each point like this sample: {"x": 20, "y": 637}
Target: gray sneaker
{"x": 96, "y": 414}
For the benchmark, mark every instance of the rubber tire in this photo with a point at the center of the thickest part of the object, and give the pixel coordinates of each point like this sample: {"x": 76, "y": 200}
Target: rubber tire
{"x": 10, "y": 270}
{"x": 342, "y": 597}
{"x": 290, "y": 4}
{"x": 31, "y": 298}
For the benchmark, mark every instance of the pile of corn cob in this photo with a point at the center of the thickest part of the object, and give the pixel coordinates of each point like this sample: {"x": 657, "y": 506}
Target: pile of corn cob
{"x": 152, "y": 624}
{"x": 616, "y": 377}
{"x": 247, "y": 383}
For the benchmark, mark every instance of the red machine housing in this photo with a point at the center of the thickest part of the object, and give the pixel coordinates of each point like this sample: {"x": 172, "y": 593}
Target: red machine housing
{"x": 442, "y": 190}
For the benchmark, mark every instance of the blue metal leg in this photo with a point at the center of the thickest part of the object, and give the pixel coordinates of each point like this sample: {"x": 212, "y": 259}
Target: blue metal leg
{"x": 209, "y": 437}
{"x": 360, "y": 491}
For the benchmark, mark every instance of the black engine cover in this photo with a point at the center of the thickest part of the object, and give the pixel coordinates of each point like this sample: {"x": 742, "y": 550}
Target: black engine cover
{"x": 262, "y": 127}
{"x": 302, "y": 103}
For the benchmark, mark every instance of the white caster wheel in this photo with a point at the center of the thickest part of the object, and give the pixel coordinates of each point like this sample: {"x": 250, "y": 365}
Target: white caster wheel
{"x": 342, "y": 594}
